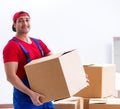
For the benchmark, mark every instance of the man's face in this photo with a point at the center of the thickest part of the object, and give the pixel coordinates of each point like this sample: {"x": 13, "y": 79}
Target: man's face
{"x": 22, "y": 25}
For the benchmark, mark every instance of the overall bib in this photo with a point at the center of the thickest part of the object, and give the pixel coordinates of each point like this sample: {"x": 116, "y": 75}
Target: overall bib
{"x": 21, "y": 100}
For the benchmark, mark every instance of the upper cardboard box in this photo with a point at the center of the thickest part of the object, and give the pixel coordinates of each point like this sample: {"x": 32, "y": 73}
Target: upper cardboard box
{"x": 57, "y": 76}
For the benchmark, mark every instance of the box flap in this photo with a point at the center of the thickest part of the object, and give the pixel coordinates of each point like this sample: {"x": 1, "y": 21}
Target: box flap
{"x": 43, "y": 59}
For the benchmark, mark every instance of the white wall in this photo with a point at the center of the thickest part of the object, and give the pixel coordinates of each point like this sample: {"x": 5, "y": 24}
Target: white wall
{"x": 87, "y": 25}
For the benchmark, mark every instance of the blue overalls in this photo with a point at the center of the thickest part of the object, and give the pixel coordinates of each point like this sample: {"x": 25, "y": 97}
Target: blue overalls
{"x": 21, "y": 100}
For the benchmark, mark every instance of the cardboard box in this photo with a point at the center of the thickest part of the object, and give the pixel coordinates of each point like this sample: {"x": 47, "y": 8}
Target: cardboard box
{"x": 66, "y": 105}
{"x": 86, "y": 103}
{"x": 57, "y": 76}
{"x": 110, "y": 103}
{"x": 101, "y": 80}
{"x": 69, "y": 103}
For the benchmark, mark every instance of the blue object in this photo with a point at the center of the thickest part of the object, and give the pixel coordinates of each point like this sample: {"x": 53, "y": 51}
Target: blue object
{"x": 21, "y": 100}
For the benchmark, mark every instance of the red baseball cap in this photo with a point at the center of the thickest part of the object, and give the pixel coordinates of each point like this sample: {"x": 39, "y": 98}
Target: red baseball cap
{"x": 17, "y": 15}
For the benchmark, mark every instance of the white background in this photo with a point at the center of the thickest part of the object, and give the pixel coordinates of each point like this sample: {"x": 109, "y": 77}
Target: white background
{"x": 87, "y": 25}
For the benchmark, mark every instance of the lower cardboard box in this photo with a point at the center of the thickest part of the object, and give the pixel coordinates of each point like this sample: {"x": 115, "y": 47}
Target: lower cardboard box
{"x": 69, "y": 103}
{"x": 107, "y": 103}
{"x": 66, "y": 105}
{"x": 86, "y": 103}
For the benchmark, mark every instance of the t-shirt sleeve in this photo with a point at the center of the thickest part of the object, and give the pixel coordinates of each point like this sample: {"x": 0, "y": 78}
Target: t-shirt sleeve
{"x": 10, "y": 52}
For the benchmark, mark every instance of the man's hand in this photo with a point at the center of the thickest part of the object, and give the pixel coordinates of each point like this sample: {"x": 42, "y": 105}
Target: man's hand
{"x": 36, "y": 98}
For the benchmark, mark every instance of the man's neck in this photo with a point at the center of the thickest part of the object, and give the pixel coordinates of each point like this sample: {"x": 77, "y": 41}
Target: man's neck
{"x": 23, "y": 37}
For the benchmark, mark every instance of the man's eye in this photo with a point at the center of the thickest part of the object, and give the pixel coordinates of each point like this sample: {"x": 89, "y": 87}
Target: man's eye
{"x": 27, "y": 20}
{"x": 20, "y": 21}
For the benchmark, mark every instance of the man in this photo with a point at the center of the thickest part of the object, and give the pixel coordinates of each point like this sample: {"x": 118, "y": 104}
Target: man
{"x": 15, "y": 58}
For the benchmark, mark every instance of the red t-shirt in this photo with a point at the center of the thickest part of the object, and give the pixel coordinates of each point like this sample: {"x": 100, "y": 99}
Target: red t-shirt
{"x": 13, "y": 53}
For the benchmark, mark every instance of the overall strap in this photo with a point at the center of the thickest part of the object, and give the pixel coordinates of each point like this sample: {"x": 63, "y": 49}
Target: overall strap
{"x": 24, "y": 50}
{"x": 39, "y": 46}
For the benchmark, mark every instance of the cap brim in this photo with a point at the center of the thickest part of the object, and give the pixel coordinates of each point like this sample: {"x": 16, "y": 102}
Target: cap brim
{"x": 13, "y": 28}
